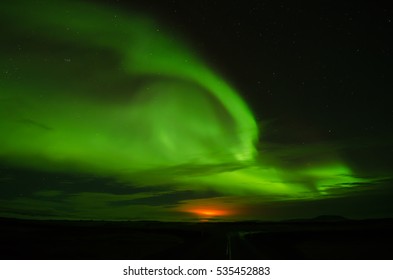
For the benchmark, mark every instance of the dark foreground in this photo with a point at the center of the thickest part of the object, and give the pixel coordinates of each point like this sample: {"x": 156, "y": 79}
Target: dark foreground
{"x": 308, "y": 239}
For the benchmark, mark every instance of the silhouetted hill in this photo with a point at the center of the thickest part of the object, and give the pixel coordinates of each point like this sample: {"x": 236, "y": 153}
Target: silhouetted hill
{"x": 330, "y": 218}
{"x": 321, "y": 218}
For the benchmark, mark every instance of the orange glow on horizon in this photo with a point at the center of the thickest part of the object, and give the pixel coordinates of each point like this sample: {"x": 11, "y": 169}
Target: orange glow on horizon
{"x": 210, "y": 212}
{"x": 212, "y": 209}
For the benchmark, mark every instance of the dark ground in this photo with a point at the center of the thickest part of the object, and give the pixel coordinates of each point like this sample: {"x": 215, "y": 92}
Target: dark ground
{"x": 301, "y": 239}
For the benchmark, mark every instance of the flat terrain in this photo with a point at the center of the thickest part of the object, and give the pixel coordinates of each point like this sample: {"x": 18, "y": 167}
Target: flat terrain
{"x": 303, "y": 239}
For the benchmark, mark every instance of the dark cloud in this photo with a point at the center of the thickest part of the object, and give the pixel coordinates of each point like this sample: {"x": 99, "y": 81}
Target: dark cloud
{"x": 168, "y": 199}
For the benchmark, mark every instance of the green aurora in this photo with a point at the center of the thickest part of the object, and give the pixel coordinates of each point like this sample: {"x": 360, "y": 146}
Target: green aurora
{"x": 95, "y": 92}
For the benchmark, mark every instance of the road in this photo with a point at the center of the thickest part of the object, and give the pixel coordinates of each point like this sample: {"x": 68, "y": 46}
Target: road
{"x": 240, "y": 248}
{"x": 217, "y": 246}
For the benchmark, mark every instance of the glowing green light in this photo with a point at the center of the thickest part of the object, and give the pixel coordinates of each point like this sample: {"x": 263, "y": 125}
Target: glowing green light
{"x": 90, "y": 89}
{"x": 182, "y": 113}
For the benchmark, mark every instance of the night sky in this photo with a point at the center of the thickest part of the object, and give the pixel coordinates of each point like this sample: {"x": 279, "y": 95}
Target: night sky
{"x": 195, "y": 110}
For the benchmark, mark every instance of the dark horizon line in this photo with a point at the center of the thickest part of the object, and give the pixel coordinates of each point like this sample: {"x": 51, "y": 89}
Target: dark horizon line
{"x": 319, "y": 218}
